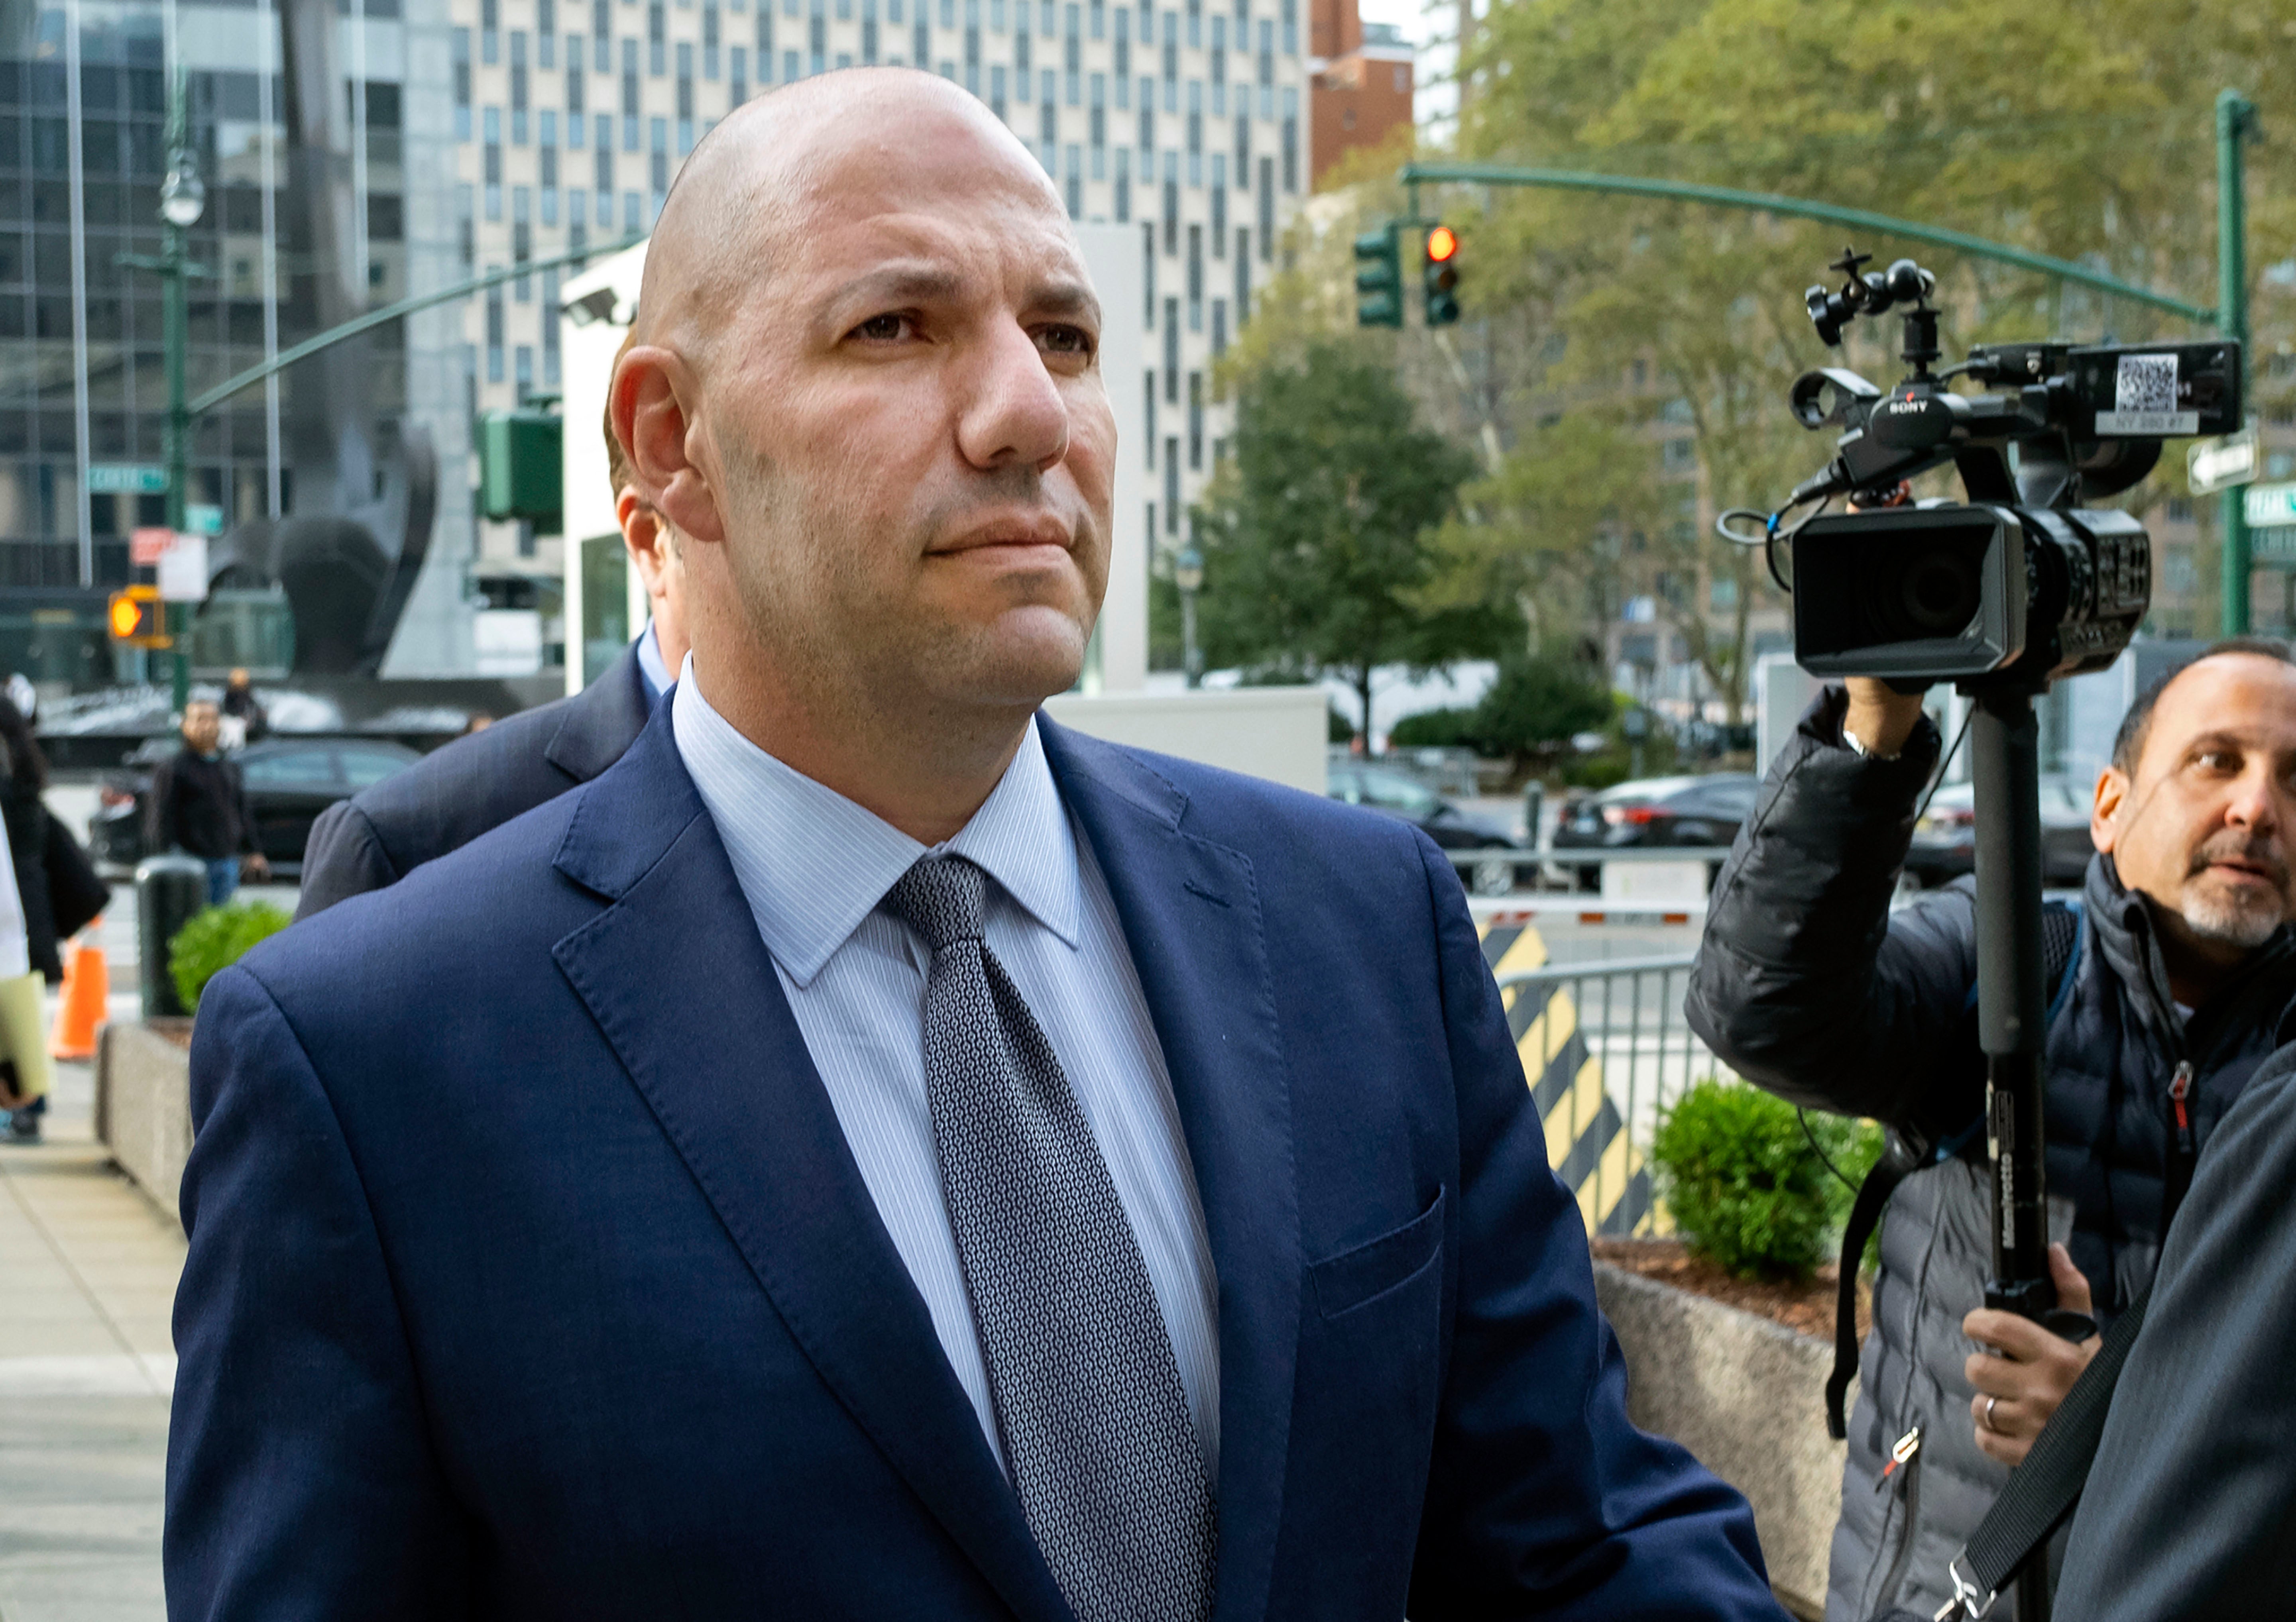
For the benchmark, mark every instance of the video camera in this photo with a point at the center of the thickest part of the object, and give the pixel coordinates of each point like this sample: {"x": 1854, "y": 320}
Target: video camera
{"x": 2021, "y": 584}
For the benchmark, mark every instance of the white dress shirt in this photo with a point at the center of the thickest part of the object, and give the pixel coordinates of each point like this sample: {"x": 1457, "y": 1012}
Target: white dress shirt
{"x": 813, "y": 866}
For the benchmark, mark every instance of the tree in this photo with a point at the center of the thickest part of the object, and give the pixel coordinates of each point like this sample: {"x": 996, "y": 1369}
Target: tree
{"x": 1317, "y": 531}
{"x": 1538, "y": 702}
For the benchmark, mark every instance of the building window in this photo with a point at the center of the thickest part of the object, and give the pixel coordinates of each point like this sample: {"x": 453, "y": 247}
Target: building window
{"x": 605, "y": 177}
{"x": 1267, "y": 209}
{"x": 997, "y": 88}
{"x": 1171, "y": 211}
{"x": 1123, "y": 185}
{"x": 1023, "y": 69}
{"x": 602, "y": 25}
{"x": 550, "y": 318}
{"x": 686, "y": 80}
{"x": 1219, "y": 205}
{"x": 518, "y": 87}
{"x": 1172, "y": 351}
{"x": 1195, "y": 422}
{"x": 489, "y": 34}
{"x": 1243, "y": 276}
{"x": 1123, "y": 62}
{"x": 710, "y": 25}
{"x": 660, "y": 129}
{"x": 765, "y": 43}
{"x": 1220, "y": 328}
{"x": 1148, "y": 272}
{"x": 657, "y": 37}
{"x": 1148, "y": 382}
{"x": 575, "y": 82}
{"x": 495, "y": 321}
{"x": 921, "y": 49}
{"x": 1290, "y": 28}
{"x": 1172, "y": 486}
{"x": 1195, "y": 278}
{"x": 1290, "y": 139}
{"x": 737, "y": 77}
{"x": 546, "y": 33}
{"x": 462, "y": 84}
{"x": 467, "y": 230}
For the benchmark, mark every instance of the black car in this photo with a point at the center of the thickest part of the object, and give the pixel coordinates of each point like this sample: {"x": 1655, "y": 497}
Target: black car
{"x": 1381, "y": 788}
{"x": 290, "y": 781}
{"x": 1656, "y": 811}
{"x": 1945, "y": 840}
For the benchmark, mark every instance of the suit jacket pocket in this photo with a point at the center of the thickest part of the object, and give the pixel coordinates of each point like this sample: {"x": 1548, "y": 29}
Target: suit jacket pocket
{"x": 1357, "y": 1277}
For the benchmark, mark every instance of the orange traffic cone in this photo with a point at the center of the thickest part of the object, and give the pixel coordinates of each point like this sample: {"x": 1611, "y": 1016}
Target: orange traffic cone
{"x": 80, "y": 1008}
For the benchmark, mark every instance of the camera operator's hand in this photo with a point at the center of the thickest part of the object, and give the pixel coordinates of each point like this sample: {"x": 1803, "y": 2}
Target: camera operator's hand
{"x": 2019, "y": 1390}
{"x": 1881, "y": 717}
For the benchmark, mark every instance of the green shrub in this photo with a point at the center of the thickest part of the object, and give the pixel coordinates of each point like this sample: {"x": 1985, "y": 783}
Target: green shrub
{"x": 1435, "y": 729}
{"x": 1337, "y": 727}
{"x": 1536, "y": 704}
{"x": 213, "y": 939}
{"x": 1743, "y": 1184}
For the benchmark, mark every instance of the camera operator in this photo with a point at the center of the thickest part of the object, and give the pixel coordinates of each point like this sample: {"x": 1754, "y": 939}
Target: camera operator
{"x": 2182, "y": 972}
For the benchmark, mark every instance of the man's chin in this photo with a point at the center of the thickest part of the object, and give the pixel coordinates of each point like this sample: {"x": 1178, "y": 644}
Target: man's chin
{"x": 2237, "y": 914}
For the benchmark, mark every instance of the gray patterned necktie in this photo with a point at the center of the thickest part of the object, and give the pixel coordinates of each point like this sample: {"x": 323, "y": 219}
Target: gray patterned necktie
{"x": 1081, "y": 1376}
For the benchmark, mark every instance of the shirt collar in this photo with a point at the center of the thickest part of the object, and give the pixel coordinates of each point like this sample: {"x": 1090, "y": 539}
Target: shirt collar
{"x": 813, "y": 864}
{"x": 651, "y": 666}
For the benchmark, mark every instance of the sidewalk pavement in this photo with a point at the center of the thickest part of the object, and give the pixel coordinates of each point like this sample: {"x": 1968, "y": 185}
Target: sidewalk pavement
{"x": 87, "y": 1279}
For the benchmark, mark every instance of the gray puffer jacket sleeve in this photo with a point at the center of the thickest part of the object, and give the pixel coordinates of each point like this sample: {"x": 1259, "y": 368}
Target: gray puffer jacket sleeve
{"x": 1805, "y": 983}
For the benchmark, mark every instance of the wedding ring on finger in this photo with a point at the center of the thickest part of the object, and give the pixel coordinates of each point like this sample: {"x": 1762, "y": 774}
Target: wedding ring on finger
{"x": 1985, "y": 1415}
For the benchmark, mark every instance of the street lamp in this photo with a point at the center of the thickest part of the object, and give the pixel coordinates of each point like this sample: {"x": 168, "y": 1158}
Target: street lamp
{"x": 182, "y": 199}
{"x": 1188, "y": 574}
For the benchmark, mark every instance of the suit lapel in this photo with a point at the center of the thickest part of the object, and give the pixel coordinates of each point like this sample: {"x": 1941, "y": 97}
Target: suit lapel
{"x": 684, "y": 989}
{"x": 1191, "y": 915}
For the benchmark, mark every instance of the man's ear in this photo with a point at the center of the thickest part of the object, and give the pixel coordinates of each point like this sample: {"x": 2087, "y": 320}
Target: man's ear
{"x": 641, "y": 538}
{"x": 651, "y": 400}
{"x": 2113, "y": 791}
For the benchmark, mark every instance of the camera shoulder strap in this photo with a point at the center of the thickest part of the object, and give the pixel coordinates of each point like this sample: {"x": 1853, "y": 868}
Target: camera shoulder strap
{"x": 2043, "y": 1490}
{"x": 2061, "y": 946}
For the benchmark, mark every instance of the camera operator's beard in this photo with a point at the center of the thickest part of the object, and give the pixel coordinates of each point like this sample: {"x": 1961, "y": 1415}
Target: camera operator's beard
{"x": 2242, "y": 916}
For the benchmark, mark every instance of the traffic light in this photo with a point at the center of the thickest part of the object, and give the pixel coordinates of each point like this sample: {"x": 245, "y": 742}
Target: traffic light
{"x": 1440, "y": 278}
{"x": 521, "y": 467}
{"x": 138, "y": 617}
{"x": 1379, "y": 279}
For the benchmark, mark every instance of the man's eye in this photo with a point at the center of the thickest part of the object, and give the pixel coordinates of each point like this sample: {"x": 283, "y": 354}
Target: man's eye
{"x": 882, "y": 329}
{"x": 1065, "y": 340}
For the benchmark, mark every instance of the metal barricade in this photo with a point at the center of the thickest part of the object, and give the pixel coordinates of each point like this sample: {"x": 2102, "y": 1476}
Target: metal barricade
{"x": 1606, "y": 1048}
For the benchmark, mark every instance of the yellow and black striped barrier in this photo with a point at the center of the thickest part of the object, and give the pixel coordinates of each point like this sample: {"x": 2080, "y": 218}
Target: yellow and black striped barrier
{"x": 1588, "y": 1142}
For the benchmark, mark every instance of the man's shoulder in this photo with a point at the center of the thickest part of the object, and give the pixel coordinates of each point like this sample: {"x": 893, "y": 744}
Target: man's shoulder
{"x": 477, "y": 909}
{"x": 461, "y": 789}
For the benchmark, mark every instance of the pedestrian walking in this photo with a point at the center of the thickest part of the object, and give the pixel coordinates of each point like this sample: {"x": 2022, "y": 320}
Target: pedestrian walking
{"x": 199, "y": 806}
{"x": 243, "y": 712}
{"x": 873, "y": 1152}
{"x": 29, "y": 958}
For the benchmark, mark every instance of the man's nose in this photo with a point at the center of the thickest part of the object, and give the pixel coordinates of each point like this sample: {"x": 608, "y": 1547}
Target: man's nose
{"x": 2259, "y": 801}
{"x": 1013, "y": 413}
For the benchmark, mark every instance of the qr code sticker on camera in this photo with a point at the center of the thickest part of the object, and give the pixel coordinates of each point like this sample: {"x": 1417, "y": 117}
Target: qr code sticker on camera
{"x": 2146, "y": 382}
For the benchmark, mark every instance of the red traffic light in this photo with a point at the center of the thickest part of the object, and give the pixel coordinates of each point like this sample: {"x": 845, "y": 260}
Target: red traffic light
{"x": 1442, "y": 243}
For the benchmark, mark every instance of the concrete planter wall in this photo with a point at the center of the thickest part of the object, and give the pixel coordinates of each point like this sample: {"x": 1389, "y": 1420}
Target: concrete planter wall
{"x": 143, "y": 1104}
{"x": 1748, "y": 1397}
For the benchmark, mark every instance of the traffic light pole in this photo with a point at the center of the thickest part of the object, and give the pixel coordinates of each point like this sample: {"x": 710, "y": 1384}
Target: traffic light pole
{"x": 2236, "y": 122}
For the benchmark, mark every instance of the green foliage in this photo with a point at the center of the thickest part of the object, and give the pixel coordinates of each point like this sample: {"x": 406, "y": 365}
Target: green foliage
{"x": 1743, "y": 1184}
{"x": 1436, "y": 729}
{"x": 216, "y": 937}
{"x": 1339, "y": 729}
{"x": 1536, "y": 705}
{"x": 1316, "y": 531}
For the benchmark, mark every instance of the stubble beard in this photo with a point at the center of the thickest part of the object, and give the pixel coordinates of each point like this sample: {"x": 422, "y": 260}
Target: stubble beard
{"x": 2236, "y": 914}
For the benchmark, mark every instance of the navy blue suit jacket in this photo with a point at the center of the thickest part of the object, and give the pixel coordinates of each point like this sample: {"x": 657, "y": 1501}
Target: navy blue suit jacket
{"x": 530, "y": 1275}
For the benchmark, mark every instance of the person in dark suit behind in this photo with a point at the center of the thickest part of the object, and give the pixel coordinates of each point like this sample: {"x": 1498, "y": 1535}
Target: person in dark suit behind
{"x": 878, "y": 1153}
{"x": 501, "y": 769}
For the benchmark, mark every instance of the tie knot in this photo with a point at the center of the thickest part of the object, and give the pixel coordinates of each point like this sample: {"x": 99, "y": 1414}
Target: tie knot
{"x": 942, "y": 899}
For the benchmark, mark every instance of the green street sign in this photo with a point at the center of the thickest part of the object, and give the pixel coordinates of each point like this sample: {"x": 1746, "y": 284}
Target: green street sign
{"x": 1379, "y": 278}
{"x": 126, "y": 478}
{"x": 2268, "y": 505}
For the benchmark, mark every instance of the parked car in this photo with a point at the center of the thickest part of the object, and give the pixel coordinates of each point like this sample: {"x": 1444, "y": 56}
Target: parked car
{"x": 1945, "y": 840}
{"x": 290, "y": 781}
{"x": 1394, "y": 794}
{"x": 1679, "y": 811}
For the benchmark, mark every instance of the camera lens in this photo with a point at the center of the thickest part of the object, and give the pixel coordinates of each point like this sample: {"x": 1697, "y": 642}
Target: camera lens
{"x": 1921, "y": 588}
{"x": 1939, "y": 593}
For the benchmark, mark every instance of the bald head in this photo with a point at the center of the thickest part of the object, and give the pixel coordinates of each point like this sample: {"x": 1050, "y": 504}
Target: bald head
{"x": 741, "y": 206}
{"x": 865, "y": 388}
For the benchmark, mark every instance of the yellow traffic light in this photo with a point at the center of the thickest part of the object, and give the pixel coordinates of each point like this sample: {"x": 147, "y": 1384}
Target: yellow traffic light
{"x": 139, "y": 618}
